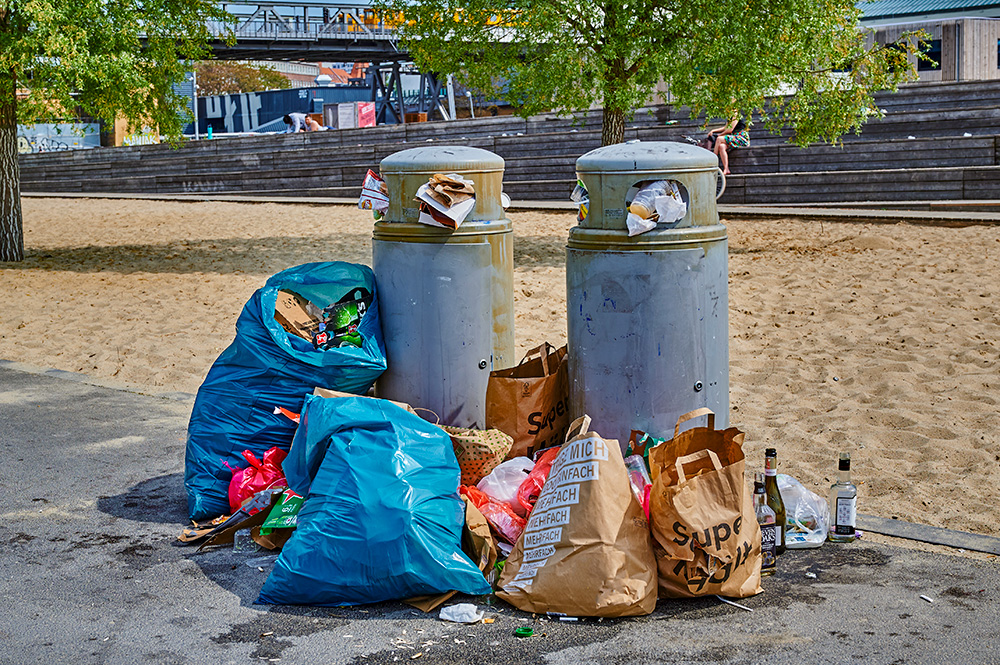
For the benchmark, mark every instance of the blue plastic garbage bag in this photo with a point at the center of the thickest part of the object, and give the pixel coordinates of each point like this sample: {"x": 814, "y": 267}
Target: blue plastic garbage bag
{"x": 266, "y": 367}
{"x": 382, "y": 518}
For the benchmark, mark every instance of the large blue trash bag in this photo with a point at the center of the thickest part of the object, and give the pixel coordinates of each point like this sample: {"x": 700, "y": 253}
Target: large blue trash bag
{"x": 382, "y": 517}
{"x": 266, "y": 367}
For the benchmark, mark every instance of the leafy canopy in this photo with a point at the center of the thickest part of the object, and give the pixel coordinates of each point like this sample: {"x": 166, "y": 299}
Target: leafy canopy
{"x": 228, "y": 78}
{"x": 104, "y": 58}
{"x": 716, "y": 56}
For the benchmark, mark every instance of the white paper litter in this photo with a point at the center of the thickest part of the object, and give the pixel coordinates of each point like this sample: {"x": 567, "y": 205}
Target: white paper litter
{"x": 456, "y": 213}
{"x": 461, "y": 613}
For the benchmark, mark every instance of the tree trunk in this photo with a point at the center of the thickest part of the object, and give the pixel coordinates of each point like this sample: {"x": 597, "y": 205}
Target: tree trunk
{"x": 11, "y": 235}
{"x": 612, "y": 126}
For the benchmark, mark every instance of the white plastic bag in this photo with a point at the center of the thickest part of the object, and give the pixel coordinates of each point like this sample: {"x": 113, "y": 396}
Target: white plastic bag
{"x": 670, "y": 207}
{"x": 637, "y": 224}
{"x": 807, "y": 514}
{"x": 502, "y": 482}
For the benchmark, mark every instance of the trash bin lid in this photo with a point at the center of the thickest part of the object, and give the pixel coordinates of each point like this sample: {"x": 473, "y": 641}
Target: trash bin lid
{"x": 441, "y": 159}
{"x": 647, "y": 156}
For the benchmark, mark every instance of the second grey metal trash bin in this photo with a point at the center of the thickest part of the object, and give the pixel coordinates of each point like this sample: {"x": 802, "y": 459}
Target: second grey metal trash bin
{"x": 446, "y": 297}
{"x": 647, "y": 315}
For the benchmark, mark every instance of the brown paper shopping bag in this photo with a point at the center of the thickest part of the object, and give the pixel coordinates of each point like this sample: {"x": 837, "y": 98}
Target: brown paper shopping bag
{"x": 586, "y": 550}
{"x": 703, "y": 522}
{"x": 478, "y": 451}
{"x": 531, "y": 401}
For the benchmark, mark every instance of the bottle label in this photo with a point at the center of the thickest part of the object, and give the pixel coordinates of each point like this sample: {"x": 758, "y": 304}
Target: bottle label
{"x": 846, "y": 515}
{"x": 768, "y": 544}
{"x": 770, "y": 472}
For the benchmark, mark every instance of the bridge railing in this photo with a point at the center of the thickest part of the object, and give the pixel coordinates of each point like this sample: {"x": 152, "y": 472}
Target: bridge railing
{"x": 308, "y": 21}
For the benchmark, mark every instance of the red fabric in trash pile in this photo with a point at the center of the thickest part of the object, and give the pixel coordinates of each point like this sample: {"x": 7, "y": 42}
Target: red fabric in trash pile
{"x": 500, "y": 515}
{"x": 259, "y": 476}
{"x": 529, "y": 490}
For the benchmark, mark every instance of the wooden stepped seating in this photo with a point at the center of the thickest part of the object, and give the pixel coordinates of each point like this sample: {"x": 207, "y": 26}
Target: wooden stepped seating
{"x": 541, "y": 151}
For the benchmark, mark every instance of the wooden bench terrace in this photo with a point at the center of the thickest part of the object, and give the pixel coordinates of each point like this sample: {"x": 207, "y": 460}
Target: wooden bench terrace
{"x": 936, "y": 141}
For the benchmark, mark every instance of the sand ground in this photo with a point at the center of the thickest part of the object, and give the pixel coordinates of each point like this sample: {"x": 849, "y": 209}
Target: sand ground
{"x": 883, "y": 340}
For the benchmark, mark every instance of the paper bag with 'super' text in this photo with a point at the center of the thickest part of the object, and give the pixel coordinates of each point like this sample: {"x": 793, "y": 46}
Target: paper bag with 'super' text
{"x": 530, "y": 402}
{"x": 586, "y": 550}
{"x": 707, "y": 540}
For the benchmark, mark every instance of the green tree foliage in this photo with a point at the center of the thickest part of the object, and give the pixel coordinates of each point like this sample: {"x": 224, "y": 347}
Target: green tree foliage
{"x": 716, "y": 56}
{"x": 103, "y": 58}
{"x": 227, "y": 78}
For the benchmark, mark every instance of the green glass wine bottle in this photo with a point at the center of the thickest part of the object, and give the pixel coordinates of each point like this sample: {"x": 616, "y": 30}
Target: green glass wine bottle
{"x": 774, "y": 497}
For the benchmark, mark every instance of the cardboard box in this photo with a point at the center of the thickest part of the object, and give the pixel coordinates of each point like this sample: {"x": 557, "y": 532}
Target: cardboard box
{"x": 295, "y": 314}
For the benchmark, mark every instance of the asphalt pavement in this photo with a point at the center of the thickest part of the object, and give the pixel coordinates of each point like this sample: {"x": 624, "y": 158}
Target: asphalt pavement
{"x": 92, "y": 494}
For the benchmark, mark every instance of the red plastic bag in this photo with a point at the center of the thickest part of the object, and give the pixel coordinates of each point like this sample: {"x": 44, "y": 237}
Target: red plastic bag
{"x": 529, "y": 490}
{"x": 259, "y": 476}
{"x": 500, "y": 515}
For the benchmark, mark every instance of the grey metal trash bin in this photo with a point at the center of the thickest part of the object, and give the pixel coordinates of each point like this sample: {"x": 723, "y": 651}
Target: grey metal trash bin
{"x": 648, "y": 315}
{"x": 446, "y": 297}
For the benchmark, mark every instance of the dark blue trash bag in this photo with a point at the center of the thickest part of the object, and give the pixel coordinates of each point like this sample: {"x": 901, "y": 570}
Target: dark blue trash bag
{"x": 266, "y": 367}
{"x": 382, "y": 518}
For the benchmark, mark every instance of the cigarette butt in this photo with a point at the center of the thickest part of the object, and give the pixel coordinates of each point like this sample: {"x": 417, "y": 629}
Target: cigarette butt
{"x": 929, "y": 600}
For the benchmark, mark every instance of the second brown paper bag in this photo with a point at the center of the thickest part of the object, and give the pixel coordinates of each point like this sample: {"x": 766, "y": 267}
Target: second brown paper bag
{"x": 705, "y": 530}
{"x": 530, "y": 402}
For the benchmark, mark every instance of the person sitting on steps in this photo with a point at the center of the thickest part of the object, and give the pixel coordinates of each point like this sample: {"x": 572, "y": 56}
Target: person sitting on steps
{"x": 733, "y": 135}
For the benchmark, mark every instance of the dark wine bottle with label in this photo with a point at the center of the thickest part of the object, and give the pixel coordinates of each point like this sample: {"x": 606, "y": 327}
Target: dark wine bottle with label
{"x": 768, "y": 527}
{"x": 774, "y": 497}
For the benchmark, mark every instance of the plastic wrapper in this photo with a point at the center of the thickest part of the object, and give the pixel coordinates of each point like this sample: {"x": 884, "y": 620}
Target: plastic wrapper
{"x": 508, "y": 524}
{"x": 638, "y": 478}
{"x": 503, "y": 482}
{"x": 374, "y": 195}
{"x": 581, "y": 197}
{"x": 807, "y": 514}
{"x": 531, "y": 488}
{"x": 670, "y": 206}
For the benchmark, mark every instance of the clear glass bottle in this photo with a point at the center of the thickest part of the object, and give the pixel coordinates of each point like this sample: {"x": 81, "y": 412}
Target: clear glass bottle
{"x": 243, "y": 542}
{"x": 774, "y": 497}
{"x": 843, "y": 503}
{"x": 768, "y": 530}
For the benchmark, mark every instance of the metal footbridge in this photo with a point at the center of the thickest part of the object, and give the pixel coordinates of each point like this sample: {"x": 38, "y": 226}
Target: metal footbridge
{"x": 309, "y": 31}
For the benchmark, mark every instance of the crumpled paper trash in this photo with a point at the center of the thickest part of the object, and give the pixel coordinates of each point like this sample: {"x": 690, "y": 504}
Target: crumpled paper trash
{"x": 461, "y": 613}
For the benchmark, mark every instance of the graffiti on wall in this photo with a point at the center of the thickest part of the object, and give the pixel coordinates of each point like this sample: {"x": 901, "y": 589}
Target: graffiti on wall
{"x": 227, "y": 106}
{"x": 50, "y": 137}
{"x": 263, "y": 111}
{"x": 145, "y": 137}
